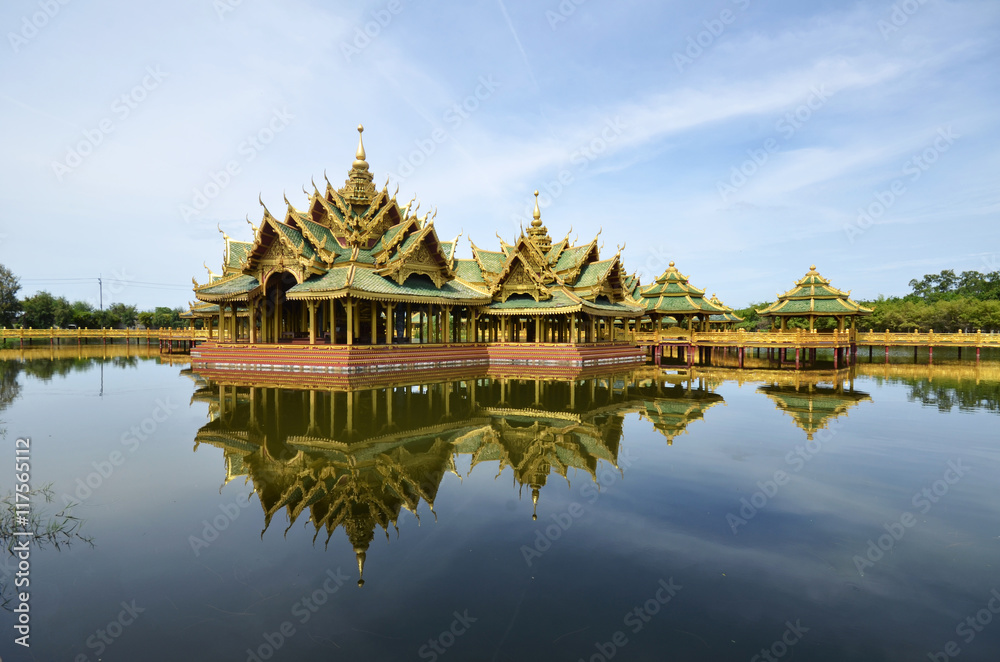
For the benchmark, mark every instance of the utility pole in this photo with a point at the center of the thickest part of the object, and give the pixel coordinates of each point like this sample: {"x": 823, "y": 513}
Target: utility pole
{"x": 100, "y": 286}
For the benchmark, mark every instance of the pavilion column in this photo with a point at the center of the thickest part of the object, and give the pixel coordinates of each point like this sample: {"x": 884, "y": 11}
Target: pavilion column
{"x": 350, "y": 320}
{"x": 538, "y": 330}
{"x": 333, "y": 323}
{"x": 222, "y": 320}
{"x": 473, "y": 325}
{"x": 572, "y": 328}
{"x": 591, "y": 336}
{"x": 253, "y": 321}
{"x": 446, "y": 324}
{"x": 373, "y": 336}
{"x": 312, "y": 322}
{"x": 390, "y": 327}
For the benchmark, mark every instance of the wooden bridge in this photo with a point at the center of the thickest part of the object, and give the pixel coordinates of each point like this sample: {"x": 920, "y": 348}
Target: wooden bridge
{"x": 701, "y": 346}
{"x": 168, "y": 339}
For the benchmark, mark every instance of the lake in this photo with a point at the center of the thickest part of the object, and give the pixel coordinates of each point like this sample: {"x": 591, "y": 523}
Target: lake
{"x": 644, "y": 514}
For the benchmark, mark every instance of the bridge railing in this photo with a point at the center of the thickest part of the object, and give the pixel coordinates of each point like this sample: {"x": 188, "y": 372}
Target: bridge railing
{"x": 929, "y": 339}
{"x": 800, "y": 337}
{"x": 103, "y": 334}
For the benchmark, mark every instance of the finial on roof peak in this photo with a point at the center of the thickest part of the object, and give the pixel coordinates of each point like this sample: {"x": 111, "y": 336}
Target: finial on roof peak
{"x": 671, "y": 263}
{"x": 812, "y": 267}
{"x": 359, "y": 161}
{"x": 537, "y": 214}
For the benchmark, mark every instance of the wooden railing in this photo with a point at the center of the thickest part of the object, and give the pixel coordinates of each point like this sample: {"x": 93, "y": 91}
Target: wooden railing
{"x": 802, "y": 337}
{"x": 103, "y": 334}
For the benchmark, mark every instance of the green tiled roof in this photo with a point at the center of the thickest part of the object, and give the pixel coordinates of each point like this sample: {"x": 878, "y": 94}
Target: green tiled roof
{"x": 417, "y": 285}
{"x": 526, "y": 302}
{"x": 238, "y": 285}
{"x": 448, "y": 248}
{"x": 237, "y": 253}
{"x": 571, "y": 257}
{"x": 563, "y": 302}
{"x": 680, "y": 305}
{"x": 604, "y": 304}
{"x": 813, "y": 295}
{"x": 593, "y": 273}
{"x": 492, "y": 261}
{"x": 321, "y": 231}
{"x": 469, "y": 271}
{"x": 297, "y": 239}
{"x": 333, "y": 280}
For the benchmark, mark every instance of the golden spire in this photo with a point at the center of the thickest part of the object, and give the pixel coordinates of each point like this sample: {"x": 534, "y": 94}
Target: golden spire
{"x": 360, "y": 162}
{"x": 537, "y": 232}
{"x": 537, "y": 214}
{"x": 358, "y": 189}
{"x": 360, "y": 553}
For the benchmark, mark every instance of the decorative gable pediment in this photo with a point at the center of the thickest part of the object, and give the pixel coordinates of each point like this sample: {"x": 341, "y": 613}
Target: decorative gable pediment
{"x": 519, "y": 278}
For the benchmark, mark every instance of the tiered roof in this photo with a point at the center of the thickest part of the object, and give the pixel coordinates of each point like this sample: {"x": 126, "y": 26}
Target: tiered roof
{"x": 724, "y": 318}
{"x": 357, "y": 241}
{"x": 814, "y": 296}
{"x": 535, "y": 275}
{"x": 813, "y": 407}
{"x": 673, "y": 295}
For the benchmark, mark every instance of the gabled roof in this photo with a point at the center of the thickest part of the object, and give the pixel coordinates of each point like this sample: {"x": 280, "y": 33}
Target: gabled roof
{"x": 813, "y": 295}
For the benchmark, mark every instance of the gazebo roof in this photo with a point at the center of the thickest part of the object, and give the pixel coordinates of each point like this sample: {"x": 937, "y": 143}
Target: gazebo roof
{"x": 726, "y": 317}
{"x": 672, "y": 294}
{"x": 814, "y": 296}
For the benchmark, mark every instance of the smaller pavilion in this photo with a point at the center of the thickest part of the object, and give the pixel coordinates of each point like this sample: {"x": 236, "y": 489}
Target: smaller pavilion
{"x": 726, "y": 320}
{"x": 811, "y": 298}
{"x": 672, "y": 296}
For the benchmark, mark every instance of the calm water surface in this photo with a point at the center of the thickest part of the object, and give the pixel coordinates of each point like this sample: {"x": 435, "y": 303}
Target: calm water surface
{"x": 707, "y": 515}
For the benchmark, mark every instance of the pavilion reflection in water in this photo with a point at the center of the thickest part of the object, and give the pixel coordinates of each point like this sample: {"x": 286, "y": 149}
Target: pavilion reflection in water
{"x": 355, "y": 459}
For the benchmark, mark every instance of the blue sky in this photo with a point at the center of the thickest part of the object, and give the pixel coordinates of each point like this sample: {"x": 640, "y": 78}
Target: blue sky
{"x": 744, "y": 140}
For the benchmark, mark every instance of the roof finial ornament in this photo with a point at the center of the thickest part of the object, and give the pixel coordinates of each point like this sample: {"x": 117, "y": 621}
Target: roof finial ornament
{"x": 360, "y": 553}
{"x": 536, "y": 214}
{"x": 359, "y": 160}
{"x": 285, "y": 196}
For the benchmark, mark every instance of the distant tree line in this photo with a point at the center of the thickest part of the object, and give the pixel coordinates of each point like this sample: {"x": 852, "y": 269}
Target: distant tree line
{"x": 44, "y": 311}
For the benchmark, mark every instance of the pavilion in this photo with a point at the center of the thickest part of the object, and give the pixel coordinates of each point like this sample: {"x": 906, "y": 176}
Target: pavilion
{"x": 358, "y": 272}
{"x": 813, "y": 297}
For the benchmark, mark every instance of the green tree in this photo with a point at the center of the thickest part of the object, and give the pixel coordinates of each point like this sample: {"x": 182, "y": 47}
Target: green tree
{"x": 43, "y": 311}
{"x": 10, "y": 306}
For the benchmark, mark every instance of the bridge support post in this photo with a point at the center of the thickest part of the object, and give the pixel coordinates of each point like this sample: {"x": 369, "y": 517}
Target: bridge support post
{"x": 977, "y": 355}
{"x": 797, "y": 364}
{"x": 930, "y": 354}
{"x": 886, "y": 353}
